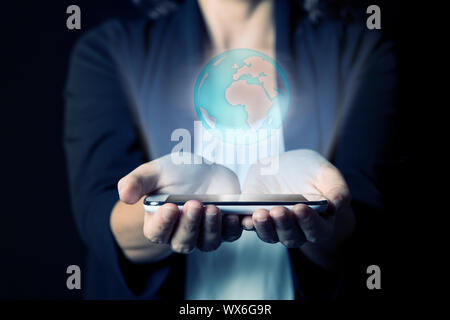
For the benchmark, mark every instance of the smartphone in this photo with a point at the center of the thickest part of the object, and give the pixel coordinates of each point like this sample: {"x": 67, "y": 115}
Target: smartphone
{"x": 239, "y": 203}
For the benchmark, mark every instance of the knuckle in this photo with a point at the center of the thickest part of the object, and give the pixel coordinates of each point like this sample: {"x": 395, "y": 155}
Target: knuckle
{"x": 163, "y": 227}
{"x": 152, "y": 237}
{"x": 182, "y": 248}
{"x": 156, "y": 240}
{"x": 190, "y": 227}
{"x": 317, "y": 239}
{"x": 147, "y": 233}
{"x": 210, "y": 245}
{"x": 291, "y": 243}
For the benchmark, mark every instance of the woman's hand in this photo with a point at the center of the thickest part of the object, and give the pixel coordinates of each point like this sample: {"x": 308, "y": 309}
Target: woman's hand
{"x": 194, "y": 225}
{"x": 317, "y": 235}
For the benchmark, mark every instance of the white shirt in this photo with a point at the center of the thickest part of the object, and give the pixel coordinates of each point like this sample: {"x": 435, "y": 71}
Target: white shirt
{"x": 247, "y": 268}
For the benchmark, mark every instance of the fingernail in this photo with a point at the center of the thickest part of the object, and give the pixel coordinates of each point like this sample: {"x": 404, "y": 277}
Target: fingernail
{"x": 277, "y": 213}
{"x": 301, "y": 213}
{"x": 247, "y": 225}
{"x": 261, "y": 218}
{"x": 211, "y": 211}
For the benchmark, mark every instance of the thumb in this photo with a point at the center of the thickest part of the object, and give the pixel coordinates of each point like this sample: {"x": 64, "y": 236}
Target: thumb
{"x": 333, "y": 186}
{"x": 139, "y": 182}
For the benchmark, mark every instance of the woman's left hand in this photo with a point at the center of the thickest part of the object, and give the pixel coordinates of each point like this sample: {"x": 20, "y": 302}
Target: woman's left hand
{"x": 317, "y": 235}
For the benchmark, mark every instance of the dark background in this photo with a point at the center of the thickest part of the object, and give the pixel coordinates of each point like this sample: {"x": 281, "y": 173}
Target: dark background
{"x": 38, "y": 239}
{"x": 38, "y": 236}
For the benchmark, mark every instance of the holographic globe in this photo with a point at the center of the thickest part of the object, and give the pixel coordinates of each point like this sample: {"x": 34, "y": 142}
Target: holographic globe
{"x": 243, "y": 92}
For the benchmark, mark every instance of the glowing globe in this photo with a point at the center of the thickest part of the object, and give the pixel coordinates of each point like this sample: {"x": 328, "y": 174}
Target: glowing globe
{"x": 241, "y": 91}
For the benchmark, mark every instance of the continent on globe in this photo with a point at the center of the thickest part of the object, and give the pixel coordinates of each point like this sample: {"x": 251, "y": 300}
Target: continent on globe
{"x": 261, "y": 69}
{"x": 253, "y": 98}
{"x": 256, "y": 97}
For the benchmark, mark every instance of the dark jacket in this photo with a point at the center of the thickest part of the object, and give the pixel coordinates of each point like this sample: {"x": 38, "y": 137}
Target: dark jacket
{"x": 130, "y": 85}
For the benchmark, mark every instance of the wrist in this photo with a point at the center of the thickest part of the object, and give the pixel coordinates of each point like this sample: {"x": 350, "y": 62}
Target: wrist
{"x": 151, "y": 254}
{"x": 323, "y": 257}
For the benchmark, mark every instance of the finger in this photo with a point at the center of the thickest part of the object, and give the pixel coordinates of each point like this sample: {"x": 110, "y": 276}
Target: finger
{"x": 286, "y": 227}
{"x": 264, "y": 226}
{"x": 186, "y": 232}
{"x": 315, "y": 228}
{"x": 332, "y": 185}
{"x": 139, "y": 182}
{"x": 247, "y": 223}
{"x": 211, "y": 231}
{"x": 231, "y": 227}
{"x": 158, "y": 226}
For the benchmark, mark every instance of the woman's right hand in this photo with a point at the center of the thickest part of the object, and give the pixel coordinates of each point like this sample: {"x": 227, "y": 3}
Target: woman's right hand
{"x": 194, "y": 225}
